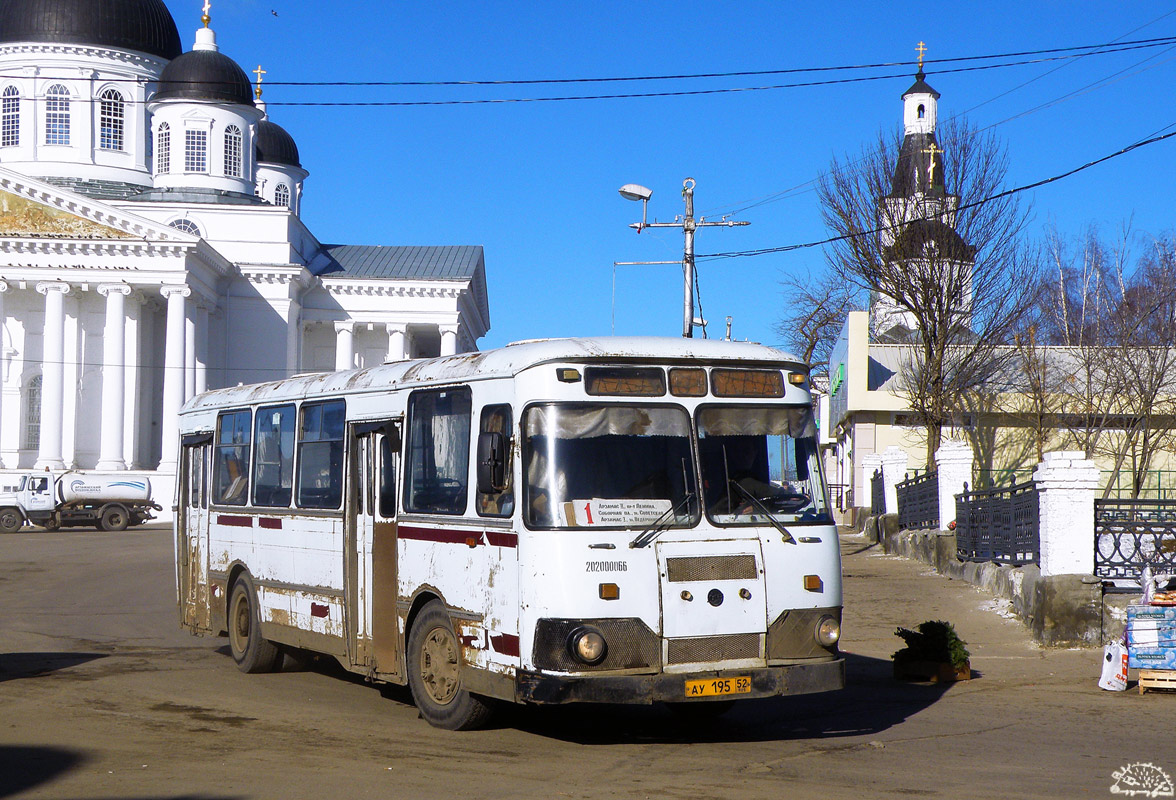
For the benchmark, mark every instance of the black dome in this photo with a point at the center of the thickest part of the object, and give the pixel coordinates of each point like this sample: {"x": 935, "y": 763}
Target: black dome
{"x": 205, "y": 75}
{"x": 142, "y": 25}
{"x": 275, "y": 146}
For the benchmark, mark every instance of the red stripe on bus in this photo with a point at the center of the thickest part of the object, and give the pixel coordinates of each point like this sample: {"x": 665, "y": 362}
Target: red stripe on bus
{"x": 450, "y": 536}
{"x": 499, "y": 539}
{"x": 273, "y": 523}
{"x": 505, "y": 643}
{"x": 235, "y": 521}
{"x": 319, "y": 610}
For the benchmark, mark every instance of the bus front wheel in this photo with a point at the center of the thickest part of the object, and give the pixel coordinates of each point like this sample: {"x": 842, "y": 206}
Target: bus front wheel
{"x": 251, "y": 652}
{"x": 434, "y": 674}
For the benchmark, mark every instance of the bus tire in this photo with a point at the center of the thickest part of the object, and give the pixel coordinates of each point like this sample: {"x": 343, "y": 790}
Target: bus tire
{"x": 252, "y": 653}
{"x": 11, "y": 520}
{"x": 434, "y": 674}
{"x": 114, "y": 518}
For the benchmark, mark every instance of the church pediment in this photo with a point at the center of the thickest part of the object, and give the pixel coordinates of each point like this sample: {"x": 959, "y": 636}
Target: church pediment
{"x": 26, "y": 218}
{"x": 33, "y": 209}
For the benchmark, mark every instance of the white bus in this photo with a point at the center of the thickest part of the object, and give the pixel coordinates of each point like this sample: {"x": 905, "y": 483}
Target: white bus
{"x": 621, "y": 520}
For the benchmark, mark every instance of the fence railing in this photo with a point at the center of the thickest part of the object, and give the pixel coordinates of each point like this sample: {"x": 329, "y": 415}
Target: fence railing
{"x": 877, "y": 493}
{"x": 1129, "y": 534}
{"x": 918, "y": 502}
{"x": 1000, "y": 525}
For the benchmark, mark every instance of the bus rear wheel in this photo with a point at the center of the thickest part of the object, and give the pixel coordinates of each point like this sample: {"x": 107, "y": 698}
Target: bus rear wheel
{"x": 250, "y": 650}
{"x": 434, "y": 674}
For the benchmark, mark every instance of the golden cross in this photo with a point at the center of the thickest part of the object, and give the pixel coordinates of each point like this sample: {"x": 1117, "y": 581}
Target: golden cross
{"x": 259, "y": 72}
{"x": 922, "y": 48}
{"x": 205, "y": 18}
{"x": 932, "y": 151}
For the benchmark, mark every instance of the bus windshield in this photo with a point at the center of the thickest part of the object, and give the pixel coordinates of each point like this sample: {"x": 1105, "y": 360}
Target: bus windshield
{"x": 607, "y": 466}
{"x": 760, "y": 460}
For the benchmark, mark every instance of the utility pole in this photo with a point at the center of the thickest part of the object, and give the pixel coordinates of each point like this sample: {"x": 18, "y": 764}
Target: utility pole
{"x": 689, "y": 225}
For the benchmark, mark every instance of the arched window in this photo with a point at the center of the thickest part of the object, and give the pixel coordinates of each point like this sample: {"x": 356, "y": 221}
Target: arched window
{"x": 32, "y": 431}
{"x": 57, "y": 115}
{"x": 163, "y": 149}
{"x": 10, "y": 117}
{"x": 232, "y": 152}
{"x": 282, "y": 195}
{"x": 195, "y": 151}
{"x": 186, "y": 225}
{"x": 922, "y": 111}
{"x": 110, "y": 120}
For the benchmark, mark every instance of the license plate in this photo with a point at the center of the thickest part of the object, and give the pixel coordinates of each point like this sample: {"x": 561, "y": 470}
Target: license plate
{"x": 715, "y": 687}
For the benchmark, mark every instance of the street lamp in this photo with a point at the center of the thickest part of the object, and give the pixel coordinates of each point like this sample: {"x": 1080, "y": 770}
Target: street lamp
{"x": 688, "y": 225}
{"x": 633, "y": 191}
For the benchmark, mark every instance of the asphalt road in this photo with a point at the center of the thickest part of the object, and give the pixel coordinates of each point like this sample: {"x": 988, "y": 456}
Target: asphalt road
{"x": 102, "y": 696}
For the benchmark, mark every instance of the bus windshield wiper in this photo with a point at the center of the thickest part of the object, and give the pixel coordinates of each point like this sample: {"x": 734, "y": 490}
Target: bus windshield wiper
{"x": 660, "y": 524}
{"x": 755, "y": 501}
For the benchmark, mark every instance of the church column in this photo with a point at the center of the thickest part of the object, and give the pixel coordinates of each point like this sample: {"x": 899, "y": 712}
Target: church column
{"x": 131, "y": 375}
{"x": 201, "y": 349}
{"x": 396, "y": 341}
{"x": 110, "y": 451}
{"x": 448, "y": 339}
{"x": 173, "y": 374}
{"x": 344, "y": 345}
{"x": 3, "y": 368}
{"x": 293, "y": 339}
{"x": 52, "y": 376}
{"x": 189, "y": 350}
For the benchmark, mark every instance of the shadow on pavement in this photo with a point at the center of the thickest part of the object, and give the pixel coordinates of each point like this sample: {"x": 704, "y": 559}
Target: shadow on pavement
{"x": 22, "y": 768}
{"x": 30, "y": 665}
{"x": 872, "y": 702}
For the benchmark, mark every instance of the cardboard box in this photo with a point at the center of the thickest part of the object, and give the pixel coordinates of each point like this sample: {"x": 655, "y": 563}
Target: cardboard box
{"x": 1151, "y": 633}
{"x": 1155, "y": 613}
{"x": 1151, "y": 657}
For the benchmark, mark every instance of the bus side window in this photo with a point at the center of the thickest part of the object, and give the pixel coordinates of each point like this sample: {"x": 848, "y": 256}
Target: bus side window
{"x": 273, "y": 464}
{"x": 320, "y": 455}
{"x": 231, "y": 467}
{"x": 497, "y": 419}
{"x": 438, "y": 468}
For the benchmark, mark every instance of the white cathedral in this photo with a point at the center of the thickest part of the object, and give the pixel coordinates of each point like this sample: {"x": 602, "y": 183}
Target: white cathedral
{"x": 151, "y": 245}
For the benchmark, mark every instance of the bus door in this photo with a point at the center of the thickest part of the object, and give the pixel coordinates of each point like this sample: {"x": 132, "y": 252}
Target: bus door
{"x": 373, "y": 629}
{"x": 192, "y": 532}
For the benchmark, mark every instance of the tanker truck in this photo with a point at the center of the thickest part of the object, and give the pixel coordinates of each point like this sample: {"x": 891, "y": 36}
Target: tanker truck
{"x": 107, "y": 501}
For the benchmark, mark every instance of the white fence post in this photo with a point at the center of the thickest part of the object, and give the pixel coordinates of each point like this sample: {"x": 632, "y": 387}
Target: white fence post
{"x": 1066, "y": 483}
{"x": 953, "y": 468}
{"x": 894, "y": 464}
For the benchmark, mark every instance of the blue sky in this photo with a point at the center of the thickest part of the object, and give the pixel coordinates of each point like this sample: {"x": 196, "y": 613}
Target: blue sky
{"x": 536, "y": 183}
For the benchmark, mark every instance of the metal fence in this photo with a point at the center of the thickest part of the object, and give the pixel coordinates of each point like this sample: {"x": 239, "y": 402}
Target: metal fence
{"x": 1129, "y": 534}
{"x": 1000, "y": 525}
{"x": 918, "y": 502}
{"x": 990, "y": 478}
{"x": 877, "y": 493}
{"x": 1156, "y": 484}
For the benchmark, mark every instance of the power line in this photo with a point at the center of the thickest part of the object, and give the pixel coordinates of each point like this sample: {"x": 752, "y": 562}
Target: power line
{"x": 966, "y": 206}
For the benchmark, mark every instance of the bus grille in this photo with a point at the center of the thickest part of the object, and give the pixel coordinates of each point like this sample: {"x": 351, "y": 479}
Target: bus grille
{"x": 711, "y": 568}
{"x": 705, "y": 649}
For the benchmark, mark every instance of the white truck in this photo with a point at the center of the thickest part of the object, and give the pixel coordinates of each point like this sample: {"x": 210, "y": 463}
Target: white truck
{"x": 107, "y": 501}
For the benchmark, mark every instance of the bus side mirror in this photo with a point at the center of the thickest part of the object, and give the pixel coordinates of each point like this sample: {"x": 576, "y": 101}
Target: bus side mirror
{"x": 491, "y": 463}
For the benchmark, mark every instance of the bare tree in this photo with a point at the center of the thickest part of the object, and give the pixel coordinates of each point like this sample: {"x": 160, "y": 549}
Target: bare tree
{"x": 948, "y": 260}
{"x": 814, "y": 311}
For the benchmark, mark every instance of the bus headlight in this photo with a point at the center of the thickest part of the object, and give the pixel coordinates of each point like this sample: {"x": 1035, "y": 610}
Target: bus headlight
{"x": 587, "y": 645}
{"x": 828, "y": 631}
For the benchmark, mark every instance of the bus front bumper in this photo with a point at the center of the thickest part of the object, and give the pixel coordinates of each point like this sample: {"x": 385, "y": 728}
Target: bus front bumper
{"x": 546, "y": 688}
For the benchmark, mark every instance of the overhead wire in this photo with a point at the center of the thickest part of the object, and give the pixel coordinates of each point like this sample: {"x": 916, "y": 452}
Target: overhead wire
{"x": 975, "y": 203}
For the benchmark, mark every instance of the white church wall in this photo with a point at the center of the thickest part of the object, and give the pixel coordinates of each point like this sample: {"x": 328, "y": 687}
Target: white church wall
{"x": 255, "y": 336}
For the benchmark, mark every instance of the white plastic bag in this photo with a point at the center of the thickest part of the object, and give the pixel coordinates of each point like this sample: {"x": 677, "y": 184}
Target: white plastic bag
{"x": 1114, "y": 668}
